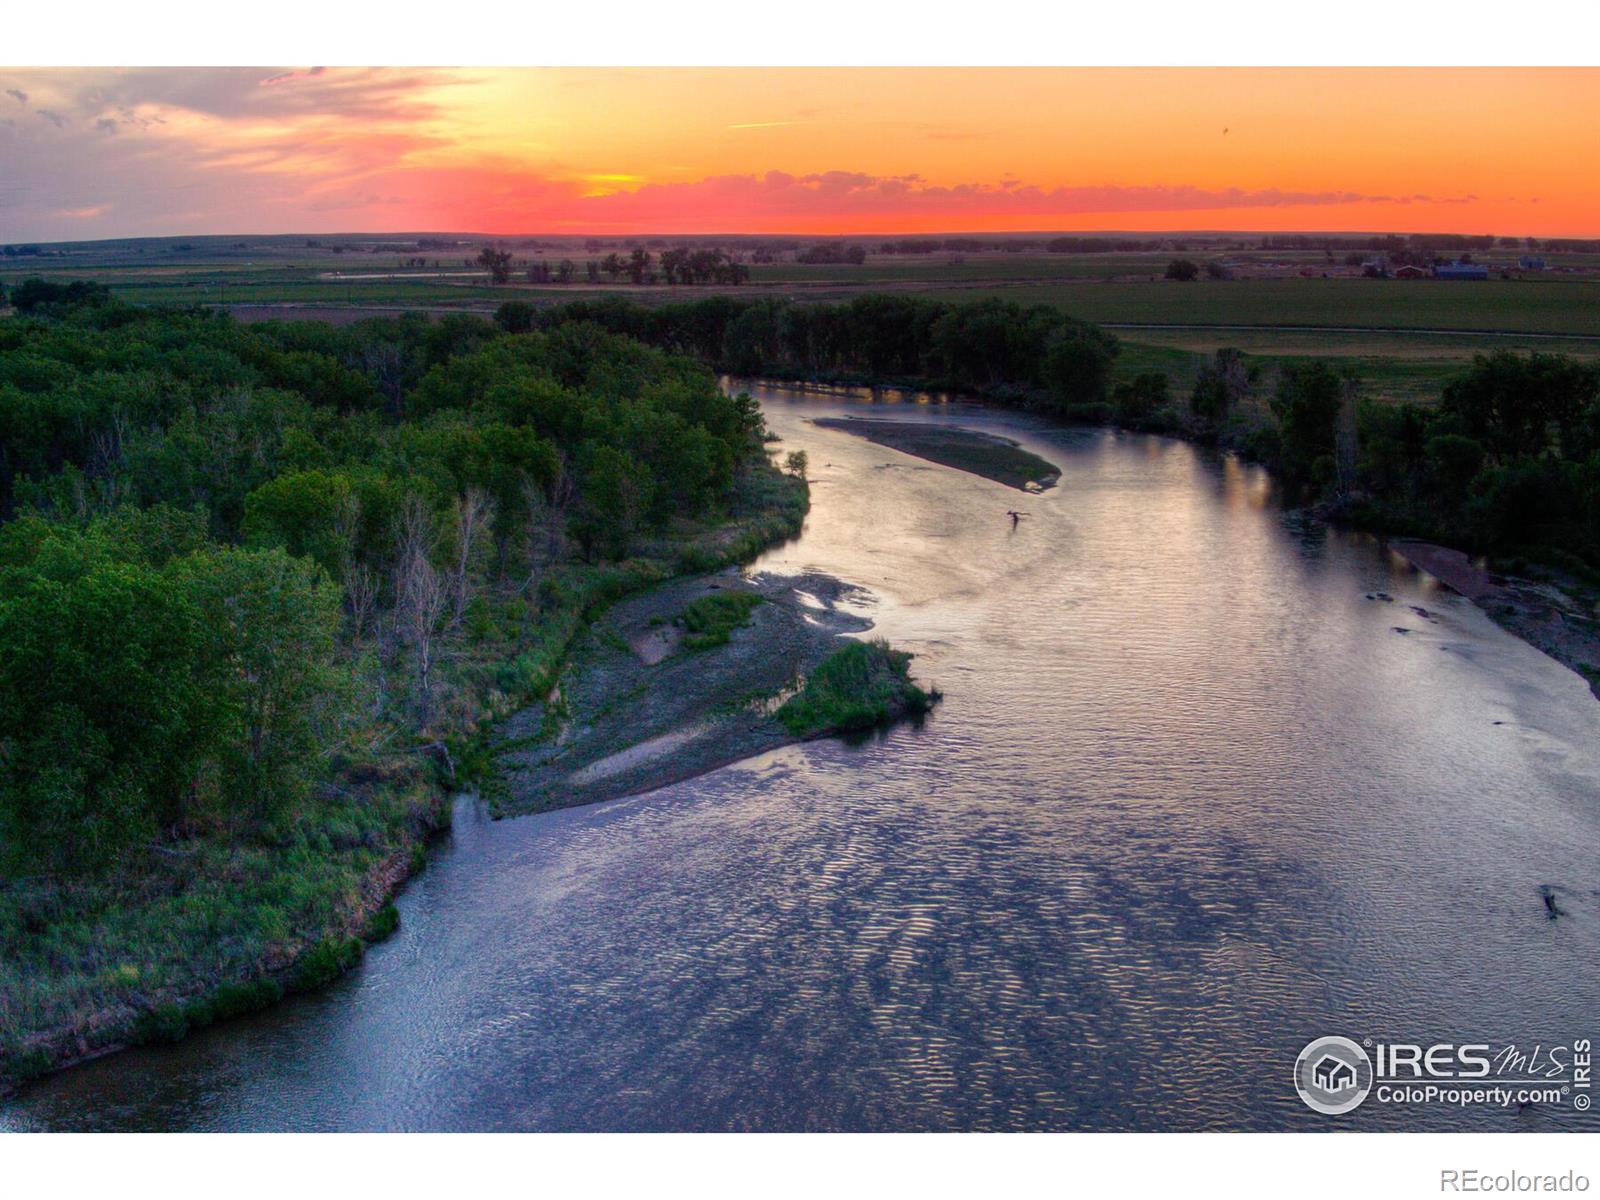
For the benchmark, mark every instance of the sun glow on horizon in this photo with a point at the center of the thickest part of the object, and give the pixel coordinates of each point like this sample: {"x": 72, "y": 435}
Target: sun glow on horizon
{"x": 104, "y": 153}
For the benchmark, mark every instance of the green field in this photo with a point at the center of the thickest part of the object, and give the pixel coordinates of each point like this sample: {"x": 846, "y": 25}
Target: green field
{"x": 1395, "y": 367}
{"x": 1545, "y": 305}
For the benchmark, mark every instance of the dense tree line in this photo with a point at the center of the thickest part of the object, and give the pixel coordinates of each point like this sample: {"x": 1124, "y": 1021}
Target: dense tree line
{"x": 1508, "y": 461}
{"x": 833, "y": 254}
{"x": 1034, "y": 355}
{"x": 222, "y": 544}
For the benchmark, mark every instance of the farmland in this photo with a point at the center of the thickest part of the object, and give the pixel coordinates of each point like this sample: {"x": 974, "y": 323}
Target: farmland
{"x": 1403, "y": 337}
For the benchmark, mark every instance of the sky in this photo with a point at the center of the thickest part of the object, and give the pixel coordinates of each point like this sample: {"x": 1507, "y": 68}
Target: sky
{"x": 101, "y": 152}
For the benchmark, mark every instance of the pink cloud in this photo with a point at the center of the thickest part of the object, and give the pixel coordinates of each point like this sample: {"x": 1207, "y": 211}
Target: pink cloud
{"x": 720, "y": 201}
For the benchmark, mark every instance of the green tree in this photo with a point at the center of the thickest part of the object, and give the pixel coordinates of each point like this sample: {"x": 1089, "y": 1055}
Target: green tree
{"x": 1454, "y": 462}
{"x": 1140, "y": 398}
{"x": 105, "y": 714}
{"x": 1220, "y": 385}
{"x": 1306, "y": 402}
{"x": 309, "y": 513}
{"x": 269, "y": 622}
{"x": 1520, "y": 405}
{"x": 615, "y": 497}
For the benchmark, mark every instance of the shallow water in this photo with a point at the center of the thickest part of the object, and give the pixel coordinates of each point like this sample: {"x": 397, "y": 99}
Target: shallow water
{"x": 1189, "y": 802}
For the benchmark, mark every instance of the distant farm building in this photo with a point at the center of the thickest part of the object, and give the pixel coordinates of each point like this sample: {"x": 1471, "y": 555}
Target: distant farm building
{"x": 1410, "y": 272}
{"x": 1459, "y": 270}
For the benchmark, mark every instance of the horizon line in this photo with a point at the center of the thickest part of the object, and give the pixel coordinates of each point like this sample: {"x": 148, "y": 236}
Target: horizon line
{"x": 907, "y": 235}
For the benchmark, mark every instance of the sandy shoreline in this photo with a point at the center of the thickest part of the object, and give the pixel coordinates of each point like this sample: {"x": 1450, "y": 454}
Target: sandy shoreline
{"x": 636, "y": 711}
{"x": 1548, "y": 615}
{"x": 986, "y": 454}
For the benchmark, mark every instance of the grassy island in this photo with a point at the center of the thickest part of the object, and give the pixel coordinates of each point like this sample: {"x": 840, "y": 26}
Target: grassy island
{"x": 859, "y": 686}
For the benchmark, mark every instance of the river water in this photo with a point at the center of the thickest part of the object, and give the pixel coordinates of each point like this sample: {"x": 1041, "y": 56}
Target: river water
{"x": 1190, "y": 801}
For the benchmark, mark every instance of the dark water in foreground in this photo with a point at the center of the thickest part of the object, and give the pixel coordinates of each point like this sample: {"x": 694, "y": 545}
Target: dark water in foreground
{"x": 1189, "y": 802}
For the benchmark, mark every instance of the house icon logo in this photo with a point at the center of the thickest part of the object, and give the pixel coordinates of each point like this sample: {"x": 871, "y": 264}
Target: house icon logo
{"x": 1333, "y": 1075}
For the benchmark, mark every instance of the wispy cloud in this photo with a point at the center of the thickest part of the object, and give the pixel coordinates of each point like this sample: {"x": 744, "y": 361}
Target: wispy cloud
{"x": 835, "y": 194}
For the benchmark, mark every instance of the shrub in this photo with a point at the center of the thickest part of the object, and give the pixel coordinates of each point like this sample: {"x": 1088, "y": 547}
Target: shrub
{"x": 325, "y": 962}
{"x": 711, "y": 620}
{"x": 859, "y": 686}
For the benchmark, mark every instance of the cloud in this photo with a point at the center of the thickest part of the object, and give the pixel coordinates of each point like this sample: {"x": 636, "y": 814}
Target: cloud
{"x": 230, "y": 94}
{"x": 843, "y": 194}
{"x": 312, "y": 149}
{"x": 285, "y": 76}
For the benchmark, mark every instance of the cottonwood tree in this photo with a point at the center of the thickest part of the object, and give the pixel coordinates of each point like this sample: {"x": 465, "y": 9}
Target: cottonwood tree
{"x": 361, "y": 597}
{"x": 421, "y": 595}
{"x": 473, "y": 511}
{"x": 1220, "y": 385}
{"x": 270, "y": 621}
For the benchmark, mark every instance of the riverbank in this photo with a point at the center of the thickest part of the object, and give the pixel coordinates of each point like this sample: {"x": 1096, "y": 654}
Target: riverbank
{"x": 649, "y": 700}
{"x": 217, "y": 927}
{"x": 1556, "y": 615}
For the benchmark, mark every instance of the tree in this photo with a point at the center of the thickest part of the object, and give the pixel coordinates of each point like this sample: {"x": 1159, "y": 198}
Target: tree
{"x": 1307, "y": 403}
{"x": 361, "y": 597}
{"x": 1454, "y": 461}
{"x": 614, "y": 498}
{"x": 473, "y": 513}
{"x": 515, "y": 316}
{"x": 37, "y": 295}
{"x": 1519, "y": 405}
{"x": 308, "y": 513}
{"x": 1140, "y": 398}
{"x": 420, "y": 599}
{"x": 270, "y": 622}
{"x": 496, "y": 262}
{"x": 105, "y": 709}
{"x": 1183, "y": 270}
{"x": 1220, "y": 385}
{"x": 1077, "y": 364}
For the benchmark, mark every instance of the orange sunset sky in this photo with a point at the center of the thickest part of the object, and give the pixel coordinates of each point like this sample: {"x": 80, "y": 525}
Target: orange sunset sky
{"x": 94, "y": 153}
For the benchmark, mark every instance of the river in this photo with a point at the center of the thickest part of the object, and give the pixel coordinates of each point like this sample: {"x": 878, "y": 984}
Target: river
{"x": 1189, "y": 802}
